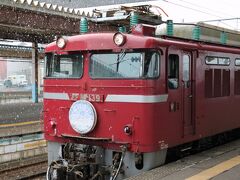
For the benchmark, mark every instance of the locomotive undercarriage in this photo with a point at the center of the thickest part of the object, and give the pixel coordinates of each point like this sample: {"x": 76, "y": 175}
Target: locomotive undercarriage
{"x": 82, "y": 162}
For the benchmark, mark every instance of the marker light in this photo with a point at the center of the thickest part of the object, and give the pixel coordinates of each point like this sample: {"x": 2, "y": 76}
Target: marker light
{"x": 119, "y": 39}
{"x": 61, "y": 42}
{"x": 127, "y": 129}
{"x": 82, "y": 116}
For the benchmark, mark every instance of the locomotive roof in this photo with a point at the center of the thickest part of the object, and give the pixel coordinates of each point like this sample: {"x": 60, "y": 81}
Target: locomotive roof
{"x": 101, "y": 41}
{"x": 104, "y": 41}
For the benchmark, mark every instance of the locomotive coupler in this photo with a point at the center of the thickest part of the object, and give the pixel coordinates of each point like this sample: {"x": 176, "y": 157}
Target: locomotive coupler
{"x": 117, "y": 162}
{"x": 78, "y": 162}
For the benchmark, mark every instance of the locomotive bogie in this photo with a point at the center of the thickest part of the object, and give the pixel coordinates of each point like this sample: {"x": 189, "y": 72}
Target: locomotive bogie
{"x": 103, "y": 162}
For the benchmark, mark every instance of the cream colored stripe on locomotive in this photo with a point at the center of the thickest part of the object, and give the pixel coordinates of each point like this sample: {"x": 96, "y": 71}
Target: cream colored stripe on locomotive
{"x": 115, "y": 98}
{"x": 137, "y": 98}
{"x": 57, "y": 96}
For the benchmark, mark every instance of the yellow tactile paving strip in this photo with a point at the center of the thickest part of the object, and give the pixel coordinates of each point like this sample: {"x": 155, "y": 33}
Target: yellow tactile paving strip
{"x": 34, "y": 144}
{"x": 19, "y": 124}
{"x": 216, "y": 170}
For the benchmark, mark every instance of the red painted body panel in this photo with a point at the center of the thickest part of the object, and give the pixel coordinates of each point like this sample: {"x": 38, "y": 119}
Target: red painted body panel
{"x": 154, "y": 126}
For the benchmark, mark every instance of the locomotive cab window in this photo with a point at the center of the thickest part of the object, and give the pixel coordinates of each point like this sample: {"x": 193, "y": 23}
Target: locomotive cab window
{"x": 151, "y": 65}
{"x": 173, "y": 71}
{"x": 125, "y": 65}
{"x": 64, "y": 66}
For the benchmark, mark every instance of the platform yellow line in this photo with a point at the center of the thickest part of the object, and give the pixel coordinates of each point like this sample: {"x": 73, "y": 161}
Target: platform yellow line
{"x": 19, "y": 124}
{"x": 216, "y": 170}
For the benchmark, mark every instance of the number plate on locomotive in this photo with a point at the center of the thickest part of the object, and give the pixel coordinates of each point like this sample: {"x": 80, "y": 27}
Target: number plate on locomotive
{"x": 87, "y": 97}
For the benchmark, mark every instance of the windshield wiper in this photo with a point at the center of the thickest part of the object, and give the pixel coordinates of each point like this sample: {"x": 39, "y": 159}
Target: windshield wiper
{"x": 120, "y": 57}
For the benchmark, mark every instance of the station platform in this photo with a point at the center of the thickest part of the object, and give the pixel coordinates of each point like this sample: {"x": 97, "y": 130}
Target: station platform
{"x": 18, "y": 112}
{"x": 219, "y": 163}
{"x": 21, "y": 128}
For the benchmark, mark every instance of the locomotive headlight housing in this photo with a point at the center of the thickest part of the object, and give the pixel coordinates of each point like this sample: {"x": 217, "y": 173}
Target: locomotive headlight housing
{"x": 119, "y": 39}
{"x": 61, "y": 42}
{"x": 82, "y": 116}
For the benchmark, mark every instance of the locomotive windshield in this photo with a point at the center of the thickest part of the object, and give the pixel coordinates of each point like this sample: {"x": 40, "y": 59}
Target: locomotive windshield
{"x": 125, "y": 65}
{"x": 64, "y": 66}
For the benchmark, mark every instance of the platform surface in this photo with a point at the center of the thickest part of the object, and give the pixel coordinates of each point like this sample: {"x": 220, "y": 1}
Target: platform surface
{"x": 11, "y": 113}
{"x": 21, "y": 128}
{"x": 219, "y": 163}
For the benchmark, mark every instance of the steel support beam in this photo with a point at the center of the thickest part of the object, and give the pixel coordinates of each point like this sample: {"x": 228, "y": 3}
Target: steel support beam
{"x": 28, "y": 25}
{"x": 35, "y": 72}
{"x": 18, "y": 54}
{"x": 89, "y": 3}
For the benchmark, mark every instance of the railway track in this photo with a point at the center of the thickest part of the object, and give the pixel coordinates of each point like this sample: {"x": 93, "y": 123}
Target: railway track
{"x": 30, "y": 168}
{"x": 23, "y": 153}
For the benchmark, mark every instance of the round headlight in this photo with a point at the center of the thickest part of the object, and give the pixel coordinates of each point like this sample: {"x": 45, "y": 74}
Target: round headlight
{"x": 61, "y": 42}
{"x": 119, "y": 39}
{"x": 82, "y": 116}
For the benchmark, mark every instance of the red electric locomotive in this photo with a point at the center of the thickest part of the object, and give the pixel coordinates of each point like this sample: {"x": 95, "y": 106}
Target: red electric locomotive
{"x": 114, "y": 103}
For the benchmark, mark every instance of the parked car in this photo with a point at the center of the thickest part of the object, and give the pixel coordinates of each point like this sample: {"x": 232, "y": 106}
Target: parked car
{"x": 7, "y": 83}
{"x": 23, "y": 83}
{"x": 18, "y": 80}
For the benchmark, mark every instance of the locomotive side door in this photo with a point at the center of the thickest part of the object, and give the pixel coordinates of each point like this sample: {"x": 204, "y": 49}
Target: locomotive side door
{"x": 173, "y": 69}
{"x": 187, "y": 92}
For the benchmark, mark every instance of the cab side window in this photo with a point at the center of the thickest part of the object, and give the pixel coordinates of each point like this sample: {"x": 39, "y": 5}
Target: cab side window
{"x": 173, "y": 71}
{"x": 151, "y": 65}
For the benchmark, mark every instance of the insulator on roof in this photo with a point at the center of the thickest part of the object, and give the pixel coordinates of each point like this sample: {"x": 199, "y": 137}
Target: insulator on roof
{"x": 202, "y": 32}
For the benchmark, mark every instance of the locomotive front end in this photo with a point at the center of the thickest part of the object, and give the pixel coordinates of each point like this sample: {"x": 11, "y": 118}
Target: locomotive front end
{"x": 101, "y": 94}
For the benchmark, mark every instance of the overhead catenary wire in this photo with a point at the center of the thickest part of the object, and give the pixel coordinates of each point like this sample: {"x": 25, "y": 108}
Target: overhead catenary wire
{"x": 187, "y": 7}
{"x": 197, "y": 10}
{"x": 203, "y": 7}
{"x": 230, "y": 17}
